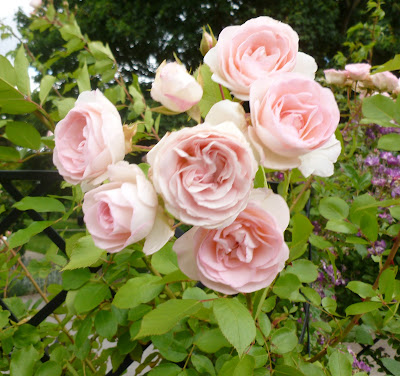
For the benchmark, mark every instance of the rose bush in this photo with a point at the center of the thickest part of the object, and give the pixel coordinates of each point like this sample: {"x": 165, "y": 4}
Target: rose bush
{"x": 258, "y": 48}
{"x": 88, "y": 140}
{"x": 244, "y": 256}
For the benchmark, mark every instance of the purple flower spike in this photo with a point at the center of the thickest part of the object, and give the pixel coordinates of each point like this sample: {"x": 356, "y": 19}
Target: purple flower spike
{"x": 371, "y": 160}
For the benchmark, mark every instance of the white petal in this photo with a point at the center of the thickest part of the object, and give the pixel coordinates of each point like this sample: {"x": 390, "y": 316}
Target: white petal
{"x": 272, "y": 203}
{"x": 159, "y": 235}
{"x": 320, "y": 161}
{"x": 305, "y": 65}
{"x": 184, "y": 248}
{"x": 227, "y": 110}
{"x": 211, "y": 59}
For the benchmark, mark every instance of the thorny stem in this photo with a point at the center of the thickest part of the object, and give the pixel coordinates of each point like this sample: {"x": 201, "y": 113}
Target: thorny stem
{"x": 356, "y": 318}
{"x": 221, "y": 91}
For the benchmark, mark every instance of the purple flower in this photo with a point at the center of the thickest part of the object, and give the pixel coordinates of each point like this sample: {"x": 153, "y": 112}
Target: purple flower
{"x": 387, "y": 130}
{"x": 395, "y": 191}
{"x": 392, "y": 160}
{"x": 380, "y": 182}
{"x": 393, "y": 172}
{"x": 372, "y": 160}
{"x": 378, "y": 248}
{"x": 386, "y": 216}
{"x": 370, "y": 133}
{"x": 385, "y": 154}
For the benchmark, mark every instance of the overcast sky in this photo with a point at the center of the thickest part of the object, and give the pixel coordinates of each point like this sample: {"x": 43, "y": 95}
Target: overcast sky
{"x": 7, "y": 10}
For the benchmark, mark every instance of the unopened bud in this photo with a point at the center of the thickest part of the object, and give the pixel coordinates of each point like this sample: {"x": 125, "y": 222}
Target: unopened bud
{"x": 208, "y": 41}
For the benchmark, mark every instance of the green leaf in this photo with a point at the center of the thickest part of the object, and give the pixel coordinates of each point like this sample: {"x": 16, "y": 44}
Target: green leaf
{"x": 364, "y": 290}
{"x": 73, "y": 279}
{"x": 329, "y": 304}
{"x": 265, "y": 324}
{"x": 24, "y": 235}
{"x": 106, "y": 323}
{"x": 211, "y": 90}
{"x": 389, "y": 142}
{"x": 165, "y": 260}
{"x": 339, "y": 364}
{"x": 210, "y": 341}
{"x": 392, "y": 365}
{"x": 362, "y": 205}
{"x": 238, "y": 366}
{"x": 302, "y": 229}
{"x": 395, "y": 212}
{"x": 23, "y": 134}
{"x": 7, "y": 72}
{"x": 235, "y": 322}
{"x": 283, "y": 340}
{"x": 363, "y": 336}
{"x": 284, "y": 370}
{"x": 166, "y": 316}
{"x": 84, "y": 331}
{"x": 11, "y": 100}
{"x": 169, "y": 347}
{"x": 26, "y": 335}
{"x": 387, "y": 284}
{"x": 40, "y": 204}
{"x": 379, "y": 109}
{"x": 84, "y": 253}
{"x": 83, "y": 79}
{"x": 175, "y": 276}
{"x": 64, "y": 106}
{"x": 260, "y": 180}
{"x": 4, "y": 318}
{"x": 287, "y": 287}
{"x": 138, "y": 290}
{"x": 305, "y": 270}
{"x": 50, "y": 368}
{"x": 311, "y": 295}
{"x": 100, "y": 51}
{"x": 46, "y": 84}
{"x": 364, "y": 307}
{"x": 341, "y": 227}
{"x": 391, "y": 65}
{"x": 333, "y": 208}
{"x": 23, "y": 361}
{"x": 260, "y": 356}
{"x": 369, "y": 227}
{"x": 202, "y": 364}
{"x": 90, "y": 296}
{"x": 165, "y": 369}
{"x": 9, "y": 154}
{"x": 21, "y": 65}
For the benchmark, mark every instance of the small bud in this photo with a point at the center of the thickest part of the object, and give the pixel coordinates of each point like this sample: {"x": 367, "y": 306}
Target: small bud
{"x": 35, "y": 3}
{"x": 129, "y": 132}
{"x": 208, "y": 41}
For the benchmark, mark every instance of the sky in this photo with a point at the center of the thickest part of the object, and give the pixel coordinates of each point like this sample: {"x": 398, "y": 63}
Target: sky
{"x": 7, "y": 10}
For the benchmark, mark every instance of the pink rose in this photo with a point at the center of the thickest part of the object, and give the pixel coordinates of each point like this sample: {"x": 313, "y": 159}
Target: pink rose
{"x": 385, "y": 81}
{"x": 175, "y": 88}
{"x": 358, "y": 72}
{"x": 293, "y": 117}
{"x": 125, "y": 211}
{"x": 205, "y": 173}
{"x": 88, "y": 139}
{"x": 243, "y": 257}
{"x": 336, "y": 77}
{"x": 257, "y": 48}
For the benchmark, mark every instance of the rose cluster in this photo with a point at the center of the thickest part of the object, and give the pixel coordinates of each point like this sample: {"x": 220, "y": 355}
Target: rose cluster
{"x": 203, "y": 176}
{"x": 359, "y": 74}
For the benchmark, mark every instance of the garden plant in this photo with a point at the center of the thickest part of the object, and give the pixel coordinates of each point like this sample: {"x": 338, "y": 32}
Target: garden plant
{"x": 255, "y": 235}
